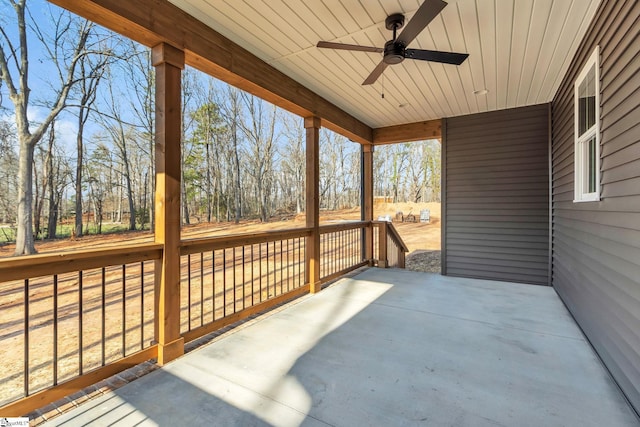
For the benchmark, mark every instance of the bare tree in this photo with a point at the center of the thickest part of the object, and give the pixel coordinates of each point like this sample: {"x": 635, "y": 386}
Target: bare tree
{"x": 101, "y": 182}
{"x": 121, "y": 134}
{"x": 58, "y": 174}
{"x": 8, "y": 173}
{"x": 339, "y": 171}
{"x": 409, "y": 172}
{"x": 141, "y": 82}
{"x": 260, "y": 131}
{"x": 91, "y": 69}
{"x": 232, "y": 113}
{"x": 207, "y": 130}
{"x": 293, "y": 162}
{"x": 14, "y": 72}
{"x": 189, "y": 88}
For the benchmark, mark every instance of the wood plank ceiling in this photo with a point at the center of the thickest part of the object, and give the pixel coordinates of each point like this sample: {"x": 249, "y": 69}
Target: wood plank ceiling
{"x": 519, "y": 50}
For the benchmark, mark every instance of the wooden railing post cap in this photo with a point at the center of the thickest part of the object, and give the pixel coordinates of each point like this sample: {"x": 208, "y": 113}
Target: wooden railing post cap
{"x": 312, "y": 122}
{"x": 165, "y": 53}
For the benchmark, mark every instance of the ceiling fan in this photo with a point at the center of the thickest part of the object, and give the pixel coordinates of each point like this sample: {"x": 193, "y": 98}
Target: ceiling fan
{"x": 395, "y": 50}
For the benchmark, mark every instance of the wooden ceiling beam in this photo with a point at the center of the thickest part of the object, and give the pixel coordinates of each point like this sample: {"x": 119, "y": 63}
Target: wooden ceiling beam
{"x": 431, "y": 129}
{"x": 151, "y": 22}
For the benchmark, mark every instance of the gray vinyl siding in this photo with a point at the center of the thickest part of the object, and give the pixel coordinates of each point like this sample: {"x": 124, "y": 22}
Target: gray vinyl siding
{"x": 596, "y": 245}
{"x": 496, "y": 194}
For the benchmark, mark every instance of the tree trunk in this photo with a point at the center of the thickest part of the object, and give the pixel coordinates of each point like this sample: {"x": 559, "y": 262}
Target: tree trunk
{"x": 25, "y": 244}
{"x": 52, "y": 217}
{"x": 208, "y": 189}
{"x": 80, "y": 149}
{"x": 236, "y": 190}
{"x": 152, "y": 185}
{"x": 185, "y": 206}
{"x": 37, "y": 202}
{"x": 132, "y": 207}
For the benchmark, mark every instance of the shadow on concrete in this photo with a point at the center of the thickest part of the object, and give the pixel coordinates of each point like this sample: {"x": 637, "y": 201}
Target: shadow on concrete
{"x": 387, "y": 347}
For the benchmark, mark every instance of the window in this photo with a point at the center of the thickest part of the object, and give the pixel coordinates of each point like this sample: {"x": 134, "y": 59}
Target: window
{"x": 587, "y": 131}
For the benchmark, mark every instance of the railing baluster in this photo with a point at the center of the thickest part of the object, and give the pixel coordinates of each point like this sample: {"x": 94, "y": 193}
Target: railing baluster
{"x": 26, "y": 337}
{"x": 336, "y": 252}
{"x": 55, "y": 329}
{"x": 355, "y": 243}
{"x": 224, "y": 283}
{"x": 189, "y": 292}
{"x": 201, "y": 288}
{"x": 260, "y": 268}
{"x": 213, "y": 282}
{"x": 341, "y": 250}
{"x": 344, "y": 255}
{"x": 275, "y": 270}
{"x": 327, "y": 249}
{"x": 124, "y": 315}
{"x": 252, "y": 278}
{"x": 244, "y": 282}
{"x": 268, "y": 274}
{"x": 142, "y": 305}
{"x": 104, "y": 315}
{"x": 235, "y": 299}
{"x": 293, "y": 261}
{"x": 350, "y": 251}
{"x": 80, "y": 324}
{"x": 324, "y": 249}
{"x": 281, "y": 269}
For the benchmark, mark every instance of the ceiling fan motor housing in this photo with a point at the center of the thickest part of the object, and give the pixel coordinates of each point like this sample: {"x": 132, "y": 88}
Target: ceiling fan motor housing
{"x": 393, "y": 52}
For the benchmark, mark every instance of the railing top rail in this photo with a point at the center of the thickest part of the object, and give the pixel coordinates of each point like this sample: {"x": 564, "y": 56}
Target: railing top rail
{"x": 192, "y": 246}
{"x": 393, "y": 233}
{"x": 350, "y": 225}
{"x": 65, "y": 262}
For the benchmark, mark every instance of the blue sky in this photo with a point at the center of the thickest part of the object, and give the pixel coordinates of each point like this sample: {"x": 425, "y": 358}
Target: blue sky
{"x": 40, "y": 66}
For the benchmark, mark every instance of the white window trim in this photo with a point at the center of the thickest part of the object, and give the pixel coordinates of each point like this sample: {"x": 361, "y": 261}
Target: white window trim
{"x": 580, "y": 194}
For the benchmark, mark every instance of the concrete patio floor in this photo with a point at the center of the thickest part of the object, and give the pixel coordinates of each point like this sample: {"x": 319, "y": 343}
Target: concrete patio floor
{"x": 384, "y": 348}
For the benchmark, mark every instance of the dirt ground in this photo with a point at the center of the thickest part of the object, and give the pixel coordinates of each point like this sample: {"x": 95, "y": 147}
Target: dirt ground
{"x": 423, "y": 239}
{"x": 418, "y": 236}
{"x": 108, "y": 309}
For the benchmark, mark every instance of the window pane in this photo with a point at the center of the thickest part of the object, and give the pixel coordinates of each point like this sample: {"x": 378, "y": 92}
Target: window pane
{"x": 587, "y": 101}
{"x": 591, "y": 165}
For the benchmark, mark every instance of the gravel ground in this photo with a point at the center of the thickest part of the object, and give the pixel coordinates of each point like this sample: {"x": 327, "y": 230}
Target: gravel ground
{"x": 425, "y": 261}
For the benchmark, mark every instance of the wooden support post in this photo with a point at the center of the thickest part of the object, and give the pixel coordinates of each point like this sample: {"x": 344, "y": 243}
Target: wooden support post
{"x": 367, "y": 199}
{"x": 312, "y": 271}
{"x": 169, "y": 63}
{"x": 383, "y": 260}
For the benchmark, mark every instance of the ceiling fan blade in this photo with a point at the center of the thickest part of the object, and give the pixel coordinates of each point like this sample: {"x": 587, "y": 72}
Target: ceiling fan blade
{"x": 436, "y": 56}
{"x": 425, "y": 14}
{"x": 377, "y": 72}
{"x": 343, "y": 46}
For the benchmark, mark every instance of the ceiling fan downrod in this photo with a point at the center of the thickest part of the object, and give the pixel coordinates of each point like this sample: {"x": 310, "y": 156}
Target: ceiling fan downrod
{"x": 394, "y": 52}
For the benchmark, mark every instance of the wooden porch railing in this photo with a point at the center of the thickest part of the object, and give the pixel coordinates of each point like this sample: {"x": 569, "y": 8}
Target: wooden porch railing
{"x": 72, "y": 319}
{"x": 226, "y": 279}
{"x": 388, "y": 245}
{"x": 341, "y": 249}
